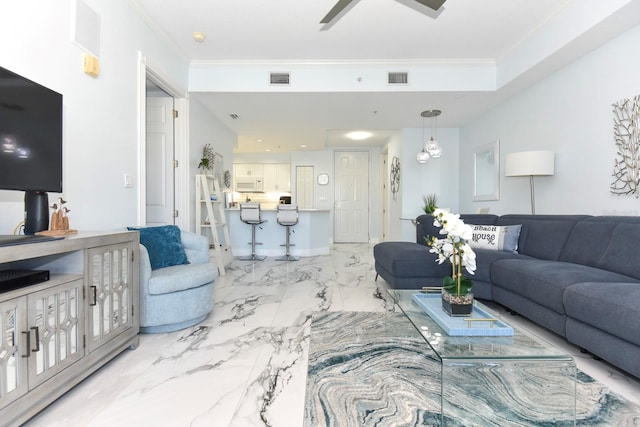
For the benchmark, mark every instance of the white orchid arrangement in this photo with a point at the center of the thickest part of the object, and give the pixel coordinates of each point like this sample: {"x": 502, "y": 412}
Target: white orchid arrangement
{"x": 454, "y": 249}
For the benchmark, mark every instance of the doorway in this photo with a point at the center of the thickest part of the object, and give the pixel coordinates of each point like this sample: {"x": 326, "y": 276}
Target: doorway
{"x": 351, "y": 188}
{"x": 177, "y": 170}
{"x": 159, "y": 156}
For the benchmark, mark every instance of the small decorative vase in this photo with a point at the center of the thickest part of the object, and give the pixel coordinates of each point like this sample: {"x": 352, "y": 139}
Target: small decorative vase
{"x": 455, "y": 305}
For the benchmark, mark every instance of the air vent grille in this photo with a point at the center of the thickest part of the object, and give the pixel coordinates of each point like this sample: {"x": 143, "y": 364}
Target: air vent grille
{"x": 398, "y": 78}
{"x": 279, "y": 78}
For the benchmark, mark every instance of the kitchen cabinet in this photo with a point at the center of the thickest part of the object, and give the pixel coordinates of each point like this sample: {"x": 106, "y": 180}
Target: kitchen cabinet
{"x": 248, "y": 169}
{"x": 277, "y": 177}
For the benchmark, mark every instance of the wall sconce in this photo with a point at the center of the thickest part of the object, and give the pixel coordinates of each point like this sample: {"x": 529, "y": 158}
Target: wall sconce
{"x": 530, "y": 163}
{"x": 431, "y": 148}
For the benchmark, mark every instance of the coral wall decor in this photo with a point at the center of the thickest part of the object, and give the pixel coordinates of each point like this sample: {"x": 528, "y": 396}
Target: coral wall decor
{"x": 626, "y": 132}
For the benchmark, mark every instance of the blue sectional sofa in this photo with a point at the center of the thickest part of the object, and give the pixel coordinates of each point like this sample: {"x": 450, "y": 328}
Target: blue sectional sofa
{"x": 577, "y": 275}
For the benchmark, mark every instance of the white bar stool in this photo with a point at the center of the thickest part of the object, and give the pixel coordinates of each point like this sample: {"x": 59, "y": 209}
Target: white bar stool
{"x": 287, "y": 216}
{"x": 250, "y": 214}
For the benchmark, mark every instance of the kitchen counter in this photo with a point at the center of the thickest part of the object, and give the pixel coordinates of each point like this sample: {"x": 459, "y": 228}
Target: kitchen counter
{"x": 275, "y": 210}
{"x": 310, "y": 236}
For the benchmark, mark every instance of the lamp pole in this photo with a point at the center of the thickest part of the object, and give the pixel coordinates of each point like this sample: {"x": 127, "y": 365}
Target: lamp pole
{"x": 533, "y": 197}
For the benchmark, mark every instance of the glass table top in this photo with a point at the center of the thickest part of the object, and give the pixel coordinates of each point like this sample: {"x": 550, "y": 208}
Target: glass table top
{"x": 522, "y": 345}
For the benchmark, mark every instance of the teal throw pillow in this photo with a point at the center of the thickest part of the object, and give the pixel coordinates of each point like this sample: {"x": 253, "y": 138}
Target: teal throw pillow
{"x": 163, "y": 244}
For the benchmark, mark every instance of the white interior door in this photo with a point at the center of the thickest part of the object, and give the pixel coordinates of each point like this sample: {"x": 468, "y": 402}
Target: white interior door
{"x": 160, "y": 179}
{"x": 351, "y": 215}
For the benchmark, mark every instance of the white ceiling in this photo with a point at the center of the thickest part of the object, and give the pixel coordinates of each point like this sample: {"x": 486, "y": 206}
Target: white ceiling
{"x": 397, "y": 31}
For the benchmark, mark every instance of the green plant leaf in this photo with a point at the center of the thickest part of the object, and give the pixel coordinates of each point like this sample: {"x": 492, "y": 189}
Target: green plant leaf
{"x": 450, "y": 285}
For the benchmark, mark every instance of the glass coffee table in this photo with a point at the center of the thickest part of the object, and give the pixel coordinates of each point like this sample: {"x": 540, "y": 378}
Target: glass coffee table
{"x": 484, "y": 375}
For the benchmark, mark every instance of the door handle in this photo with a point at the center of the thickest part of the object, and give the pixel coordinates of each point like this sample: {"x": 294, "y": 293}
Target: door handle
{"x": 35, "y": 328}
{"x": 94, "y": 289}
{"x": 28, "y": 346}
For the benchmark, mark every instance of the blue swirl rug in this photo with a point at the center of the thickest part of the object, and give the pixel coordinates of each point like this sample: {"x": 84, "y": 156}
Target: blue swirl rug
{"x": 371, "y": 369}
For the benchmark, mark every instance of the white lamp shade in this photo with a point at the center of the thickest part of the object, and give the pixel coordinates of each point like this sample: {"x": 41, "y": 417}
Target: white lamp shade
{"x": 529, "y": 163}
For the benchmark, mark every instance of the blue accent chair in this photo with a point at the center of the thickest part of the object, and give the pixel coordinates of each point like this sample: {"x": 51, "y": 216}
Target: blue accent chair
{"x": 179, "y": 296}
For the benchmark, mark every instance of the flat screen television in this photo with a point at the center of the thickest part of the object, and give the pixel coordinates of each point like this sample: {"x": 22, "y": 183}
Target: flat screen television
{"x": 30, "y": 144}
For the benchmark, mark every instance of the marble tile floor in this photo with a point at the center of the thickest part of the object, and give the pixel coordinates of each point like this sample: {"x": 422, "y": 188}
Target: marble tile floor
{"x": 246, "y": 364}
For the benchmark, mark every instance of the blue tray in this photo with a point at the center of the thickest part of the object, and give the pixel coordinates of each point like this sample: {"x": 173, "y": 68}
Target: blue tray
{"x": 457, "y": 326}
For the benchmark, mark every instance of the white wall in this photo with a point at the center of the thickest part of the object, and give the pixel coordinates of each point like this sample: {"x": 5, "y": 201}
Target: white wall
{"x": 570, "y": 113}
{"x": 394, "y": 214}
{"x": 438, "y": 176}
{"x": 100, "y": 115}
{"x": 206, "y": 129}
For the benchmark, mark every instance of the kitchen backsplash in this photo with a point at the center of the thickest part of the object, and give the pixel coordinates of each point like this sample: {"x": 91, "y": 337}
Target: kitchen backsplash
{"x": 266, "y": 200}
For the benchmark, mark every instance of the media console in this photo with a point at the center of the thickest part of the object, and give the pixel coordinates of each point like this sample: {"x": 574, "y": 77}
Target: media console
{"x": 56, "y": 333}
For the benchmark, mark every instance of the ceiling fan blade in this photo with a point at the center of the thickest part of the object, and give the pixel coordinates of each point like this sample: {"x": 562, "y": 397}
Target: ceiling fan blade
{"x": 339, "y": 7}
{"x": 433, "y": 4}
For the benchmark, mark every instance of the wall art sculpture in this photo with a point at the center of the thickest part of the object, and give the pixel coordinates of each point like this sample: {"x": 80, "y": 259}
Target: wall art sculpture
{"x": 626, "y": 132}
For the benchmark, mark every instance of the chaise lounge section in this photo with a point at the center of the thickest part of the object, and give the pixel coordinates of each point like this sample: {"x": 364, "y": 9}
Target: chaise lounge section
{"x": 576, "y": 275}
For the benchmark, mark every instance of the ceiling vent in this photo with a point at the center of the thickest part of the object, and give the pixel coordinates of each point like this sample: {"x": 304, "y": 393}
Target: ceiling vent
{"x": 279, "y": 78}
{"x": 398, "y": 78}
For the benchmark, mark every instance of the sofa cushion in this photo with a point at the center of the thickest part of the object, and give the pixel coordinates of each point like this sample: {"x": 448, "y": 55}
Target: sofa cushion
{"x": 610, "y": 307}
{"x": 543, "y": 281}
{"x": 542, "y": 236}
{"x": 181, "y": 277}
{"x": 495, "y": 237}
{"x": 163, "y": 244}
{"x": 485, "y": 259}
{"x": 605, "y": 242}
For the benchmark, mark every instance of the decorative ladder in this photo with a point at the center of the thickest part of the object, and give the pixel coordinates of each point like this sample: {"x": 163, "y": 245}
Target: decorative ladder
{"x": 217, "y": 221}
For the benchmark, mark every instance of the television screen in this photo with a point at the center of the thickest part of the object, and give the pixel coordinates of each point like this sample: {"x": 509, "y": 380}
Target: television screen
{"x": 30, "y": 135}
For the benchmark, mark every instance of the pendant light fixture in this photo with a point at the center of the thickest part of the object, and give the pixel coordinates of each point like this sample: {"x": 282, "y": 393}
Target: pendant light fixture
{"x": 423, "y": 156}
{"x": 431, "y": 148}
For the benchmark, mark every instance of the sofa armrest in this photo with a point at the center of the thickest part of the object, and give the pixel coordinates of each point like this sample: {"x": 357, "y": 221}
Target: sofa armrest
{"x": 196, "y": 247}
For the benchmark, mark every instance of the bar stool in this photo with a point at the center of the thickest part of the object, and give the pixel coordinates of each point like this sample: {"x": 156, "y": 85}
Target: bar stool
{"x": 287, "y": 216}
{"x": 250, "y": 214}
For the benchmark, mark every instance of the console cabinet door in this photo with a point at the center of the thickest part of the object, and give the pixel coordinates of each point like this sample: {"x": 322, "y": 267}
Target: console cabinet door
{"x": 56, "y": 330}
{"x": 13, "y": 366}
{"x": 110, "y": 301}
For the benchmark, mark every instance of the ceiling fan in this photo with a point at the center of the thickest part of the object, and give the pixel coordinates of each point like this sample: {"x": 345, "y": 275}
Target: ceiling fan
{"x": 342, "y": 4}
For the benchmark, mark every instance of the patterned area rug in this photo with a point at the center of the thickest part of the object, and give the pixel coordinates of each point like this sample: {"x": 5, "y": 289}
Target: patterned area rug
{"x": 371, "y": 369}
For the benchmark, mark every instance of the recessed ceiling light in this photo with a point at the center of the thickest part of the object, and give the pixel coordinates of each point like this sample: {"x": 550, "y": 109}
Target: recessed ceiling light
{"x": 199, "y": 36}
{"x": 258, "y": 140}
{"x": 268, "y": 149}
{"x": 303, "y": 146}
{"x": 359, "y": 135}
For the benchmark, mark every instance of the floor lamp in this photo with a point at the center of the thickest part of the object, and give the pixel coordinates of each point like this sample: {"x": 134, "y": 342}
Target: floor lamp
{"x": 529, "y": 163}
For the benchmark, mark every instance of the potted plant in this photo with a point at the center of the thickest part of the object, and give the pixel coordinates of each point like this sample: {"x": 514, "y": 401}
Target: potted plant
{"x": 207, "y": 160}
{"x": 430, "y": 203}
{"x": 457, "y": 299}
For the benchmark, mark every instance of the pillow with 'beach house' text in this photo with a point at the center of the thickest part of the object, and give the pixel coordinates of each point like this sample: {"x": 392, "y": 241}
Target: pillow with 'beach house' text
{"x": 495, "y": 237}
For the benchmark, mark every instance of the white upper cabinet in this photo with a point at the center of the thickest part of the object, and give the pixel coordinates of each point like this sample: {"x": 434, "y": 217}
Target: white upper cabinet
{"x": 275, "y": 176}
{"x": 255, "y": 170}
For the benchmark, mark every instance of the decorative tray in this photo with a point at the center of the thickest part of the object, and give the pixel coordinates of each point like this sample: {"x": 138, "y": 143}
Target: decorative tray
{"x": 472, "y": 326}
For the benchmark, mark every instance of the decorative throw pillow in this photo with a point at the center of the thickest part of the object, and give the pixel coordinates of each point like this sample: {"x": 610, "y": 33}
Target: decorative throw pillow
{"x": 163, "y": 244}
{"x": 496, "y": 237}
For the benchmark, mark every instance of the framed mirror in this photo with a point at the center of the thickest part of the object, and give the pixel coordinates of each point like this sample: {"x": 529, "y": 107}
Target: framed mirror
{"x": 486, "y": 172}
